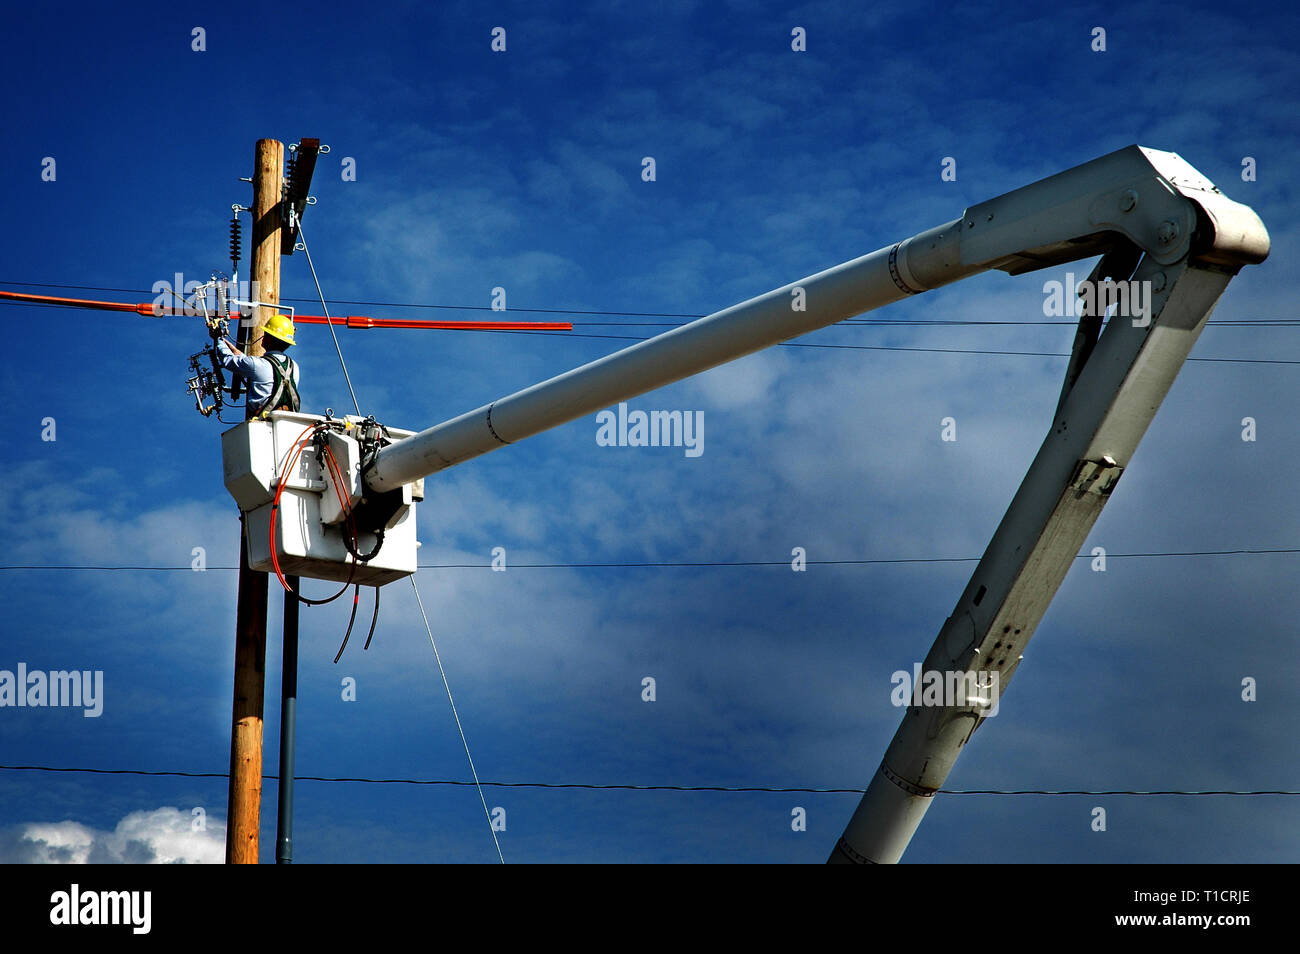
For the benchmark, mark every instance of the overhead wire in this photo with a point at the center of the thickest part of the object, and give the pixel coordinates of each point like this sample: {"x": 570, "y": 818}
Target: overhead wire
{"x": 1279, "y": 322}
{"x": 1249, "y": 322}
{"x": 346, "y": 376}
{"x": 615, "y": 786}
{"x": 456, "y": 715}
{"x": 844, "y": 347}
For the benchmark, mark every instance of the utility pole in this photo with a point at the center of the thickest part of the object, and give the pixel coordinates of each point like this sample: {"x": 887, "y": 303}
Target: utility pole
{"x": 243, "y": 814}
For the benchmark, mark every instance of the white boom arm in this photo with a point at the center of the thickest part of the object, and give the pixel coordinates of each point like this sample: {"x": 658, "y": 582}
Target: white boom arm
{"x": 1152, "y": 217}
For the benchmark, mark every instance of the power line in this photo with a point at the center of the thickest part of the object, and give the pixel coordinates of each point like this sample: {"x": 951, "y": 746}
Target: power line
{"x": 330, "y": 324}
{"x": 799, "y": 344}
{"x": 390, "y": 304}
{"x": 1028, "y": 791}
{"x": 606, "y": 313}
{"x": 782, "y": 344}
{"x": 456, "y": 715}
{"x": 598, "y": 786}
{"x": 844, "y": 347}
{"x": 957, "y": 322}
{"x": 670, "y": 564}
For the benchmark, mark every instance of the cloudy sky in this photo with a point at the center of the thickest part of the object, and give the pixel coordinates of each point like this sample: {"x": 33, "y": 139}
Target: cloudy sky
{"x": 522, "y": 169}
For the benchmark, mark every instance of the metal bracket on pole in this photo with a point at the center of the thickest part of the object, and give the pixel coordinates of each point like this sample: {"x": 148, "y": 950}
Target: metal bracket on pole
{"x": 301, "y": 168}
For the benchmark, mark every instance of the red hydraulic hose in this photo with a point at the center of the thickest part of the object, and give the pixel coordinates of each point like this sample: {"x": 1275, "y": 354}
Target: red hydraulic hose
{"x": 298, "y": 446}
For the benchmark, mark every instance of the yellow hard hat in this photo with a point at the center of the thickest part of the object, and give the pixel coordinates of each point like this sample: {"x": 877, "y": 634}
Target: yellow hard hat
{"x": 279, "y": 326}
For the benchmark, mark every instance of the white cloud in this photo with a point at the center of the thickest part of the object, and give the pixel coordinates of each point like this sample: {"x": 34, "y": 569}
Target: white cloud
{"x": 744, "y": 383}
{"x": 163, "y": 836}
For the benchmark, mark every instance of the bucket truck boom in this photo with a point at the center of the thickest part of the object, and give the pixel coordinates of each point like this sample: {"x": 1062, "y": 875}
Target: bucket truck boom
{"x": 1135, "y": 197}
{"x": 1163, "y": 231}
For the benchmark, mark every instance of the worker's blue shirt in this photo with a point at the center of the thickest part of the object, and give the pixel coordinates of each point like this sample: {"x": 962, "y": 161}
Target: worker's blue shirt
{"x": 257, "y": 373}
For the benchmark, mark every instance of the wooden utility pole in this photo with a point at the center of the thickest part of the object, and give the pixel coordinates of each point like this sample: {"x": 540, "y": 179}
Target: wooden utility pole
{"x": 244, "y": 808}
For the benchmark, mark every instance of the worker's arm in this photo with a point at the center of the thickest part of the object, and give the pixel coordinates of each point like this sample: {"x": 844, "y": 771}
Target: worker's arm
{"x": 232, "y": 359}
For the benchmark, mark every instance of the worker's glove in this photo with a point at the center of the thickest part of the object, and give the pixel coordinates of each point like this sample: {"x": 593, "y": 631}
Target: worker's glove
{"x": 216, "y": 328}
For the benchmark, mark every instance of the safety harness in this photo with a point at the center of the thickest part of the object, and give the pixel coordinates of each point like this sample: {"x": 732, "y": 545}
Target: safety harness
{"x": 284, "y": 394}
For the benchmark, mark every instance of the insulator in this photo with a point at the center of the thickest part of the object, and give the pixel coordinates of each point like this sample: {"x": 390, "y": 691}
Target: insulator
{"x": 234, "y": 238}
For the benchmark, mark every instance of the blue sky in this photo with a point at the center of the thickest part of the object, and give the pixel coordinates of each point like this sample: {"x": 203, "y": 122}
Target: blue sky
{"x": 522, "y": 169}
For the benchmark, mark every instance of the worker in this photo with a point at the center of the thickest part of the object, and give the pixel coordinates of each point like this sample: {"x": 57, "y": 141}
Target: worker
{"x": 272, "y": 380}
